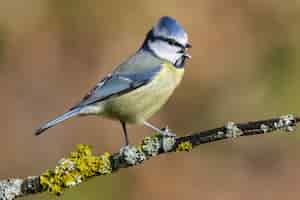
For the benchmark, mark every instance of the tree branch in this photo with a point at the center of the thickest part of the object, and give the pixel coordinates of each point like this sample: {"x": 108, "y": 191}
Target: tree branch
{"x": 82, "y": 164}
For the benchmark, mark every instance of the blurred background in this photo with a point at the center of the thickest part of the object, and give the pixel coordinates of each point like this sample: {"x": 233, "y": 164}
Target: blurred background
{"x": 245, "y": 66}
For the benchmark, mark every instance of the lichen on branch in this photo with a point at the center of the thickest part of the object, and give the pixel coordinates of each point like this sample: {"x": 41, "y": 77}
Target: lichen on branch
{"x": 71, "y": 171}
{"x": 81, "y": 164}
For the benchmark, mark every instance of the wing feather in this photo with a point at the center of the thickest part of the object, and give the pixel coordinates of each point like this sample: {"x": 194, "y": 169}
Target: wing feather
{"x": 117, "y": 84}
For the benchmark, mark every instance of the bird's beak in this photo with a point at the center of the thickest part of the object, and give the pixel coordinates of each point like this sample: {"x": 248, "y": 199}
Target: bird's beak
{"x": 188, "y": 46}
{"x": 184, "y": 51}
{"x": 187, "y": 55}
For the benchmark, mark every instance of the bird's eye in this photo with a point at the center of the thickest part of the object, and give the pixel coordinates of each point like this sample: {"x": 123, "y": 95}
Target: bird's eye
{"x": 171, "y": 42}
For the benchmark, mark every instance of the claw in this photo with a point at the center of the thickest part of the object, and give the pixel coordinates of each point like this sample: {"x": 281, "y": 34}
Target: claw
{"x": 167, "y": 132}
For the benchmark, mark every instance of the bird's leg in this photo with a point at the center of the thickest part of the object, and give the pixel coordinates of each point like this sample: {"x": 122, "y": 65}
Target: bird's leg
{"x": 165, "y": 132}
{"x": 125, "y": 133}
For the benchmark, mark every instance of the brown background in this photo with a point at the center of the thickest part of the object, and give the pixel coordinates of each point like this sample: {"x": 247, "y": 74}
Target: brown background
{"x": 245, "y": 66}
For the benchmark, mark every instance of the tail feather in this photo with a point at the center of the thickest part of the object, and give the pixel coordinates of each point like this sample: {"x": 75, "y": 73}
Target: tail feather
{"x": 57, "y": 120}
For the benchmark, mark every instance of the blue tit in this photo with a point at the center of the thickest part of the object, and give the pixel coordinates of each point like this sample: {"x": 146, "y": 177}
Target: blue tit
{"x": 142, "y": 84}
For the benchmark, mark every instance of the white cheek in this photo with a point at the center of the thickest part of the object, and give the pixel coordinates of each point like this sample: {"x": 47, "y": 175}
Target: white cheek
{"x": 165, "y": 51}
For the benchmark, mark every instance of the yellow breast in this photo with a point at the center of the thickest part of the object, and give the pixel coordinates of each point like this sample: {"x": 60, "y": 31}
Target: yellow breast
{"x": 140, "y": 104}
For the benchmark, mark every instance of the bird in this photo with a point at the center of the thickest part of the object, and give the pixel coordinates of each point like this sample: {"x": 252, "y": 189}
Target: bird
{"x": 138, "y": 87}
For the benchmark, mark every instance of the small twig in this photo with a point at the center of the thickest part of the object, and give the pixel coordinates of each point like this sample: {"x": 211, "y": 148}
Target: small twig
{"x": 82, "y": 165}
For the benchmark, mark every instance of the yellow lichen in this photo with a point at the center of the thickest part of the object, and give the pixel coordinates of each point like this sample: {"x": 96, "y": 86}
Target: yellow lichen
{"x": 151, "y": 145}
{"x": 184, "y": 146}
{"x": 51, "y": 182}
{"x": 105, "y": 165}
{"x": 71, "y": 171}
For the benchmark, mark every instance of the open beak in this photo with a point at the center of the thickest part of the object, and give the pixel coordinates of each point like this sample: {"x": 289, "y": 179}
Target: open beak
{"x": 184, "y": 51}
{"x": 187, "y": 55}
{"x": 187, "y": 46}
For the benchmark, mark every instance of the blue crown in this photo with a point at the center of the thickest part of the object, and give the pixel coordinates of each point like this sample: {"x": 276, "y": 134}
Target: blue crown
{"x": 169, "y": 28}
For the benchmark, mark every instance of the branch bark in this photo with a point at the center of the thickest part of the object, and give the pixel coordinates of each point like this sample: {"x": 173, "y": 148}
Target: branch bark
{"x": 82, "y": 164}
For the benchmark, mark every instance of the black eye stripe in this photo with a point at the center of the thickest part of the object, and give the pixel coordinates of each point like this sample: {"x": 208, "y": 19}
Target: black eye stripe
{"x": 169, "y": 41}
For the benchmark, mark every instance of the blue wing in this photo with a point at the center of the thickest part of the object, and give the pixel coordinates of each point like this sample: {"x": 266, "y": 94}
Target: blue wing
{"x": 117, "y": 84}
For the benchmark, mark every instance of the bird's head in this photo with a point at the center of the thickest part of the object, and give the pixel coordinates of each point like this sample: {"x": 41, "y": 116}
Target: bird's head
{"x": 168, "y": 40}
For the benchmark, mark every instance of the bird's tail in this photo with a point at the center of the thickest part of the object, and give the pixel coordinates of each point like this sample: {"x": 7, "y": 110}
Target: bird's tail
{"x": 63, "y": 117}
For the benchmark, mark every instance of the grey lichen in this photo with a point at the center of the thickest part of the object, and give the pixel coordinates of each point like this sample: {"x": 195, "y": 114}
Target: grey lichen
{"x": 31, "y": 185}
{"x": 285, "y": 123}
{"x": 232, "y": 131}
{"x": 65, "y": 164}
{"x": 220, "y": 134}
{"x": 151, "y": 145}
{"x": 10, "y": 189}
{"x": 82, "y": 164}
{"x": 168, "y": 143}
{"x": 264, "y": 128}
{"x": 132, "y": 155}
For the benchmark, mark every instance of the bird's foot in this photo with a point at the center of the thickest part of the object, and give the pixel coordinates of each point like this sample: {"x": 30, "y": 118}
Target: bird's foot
{"x": 164, "y": 132}
{"x": 167, "y": 132}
